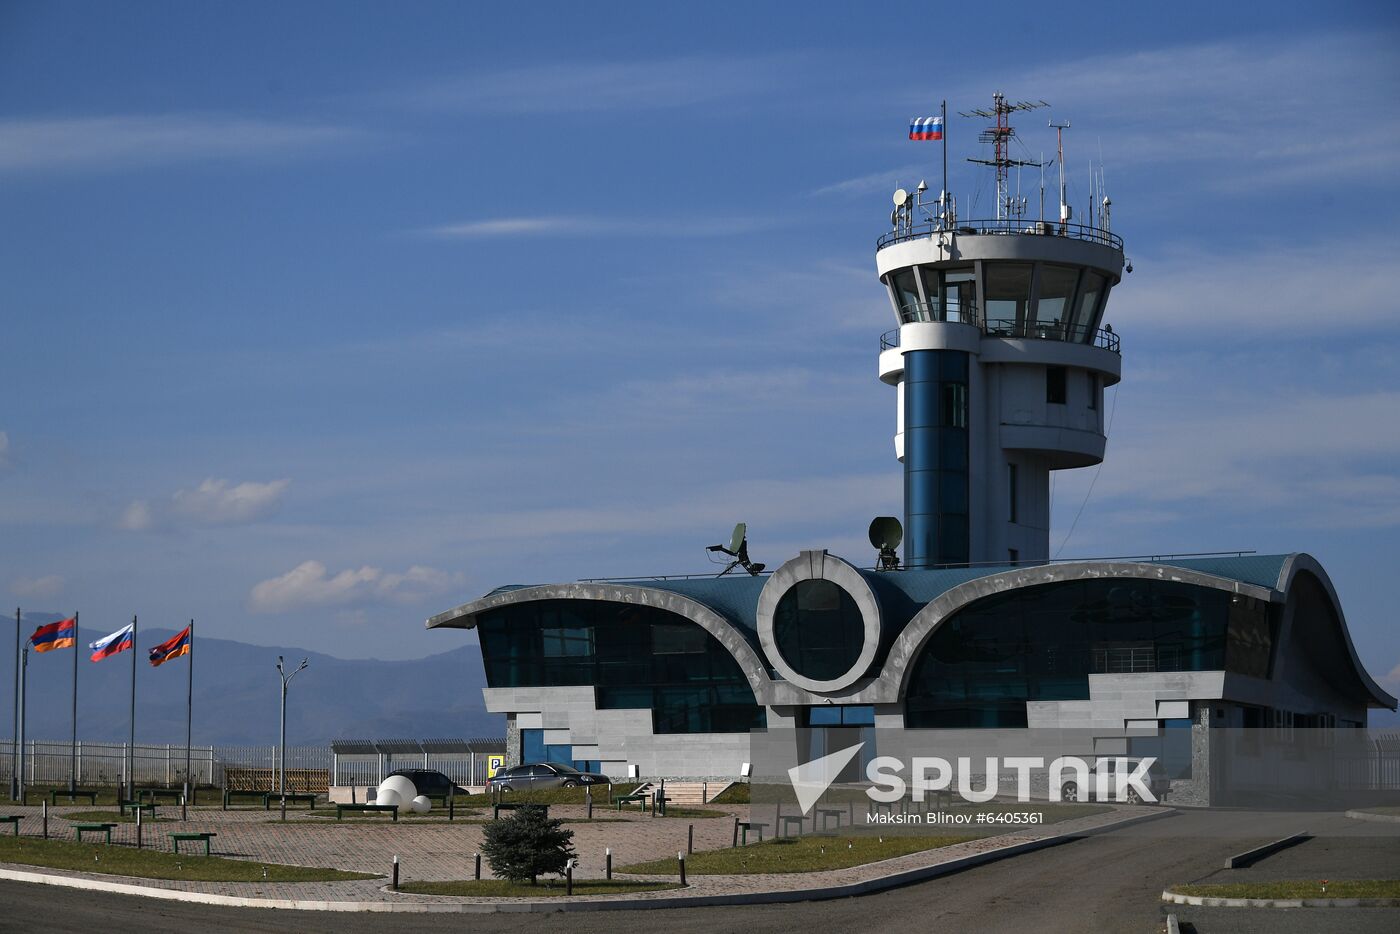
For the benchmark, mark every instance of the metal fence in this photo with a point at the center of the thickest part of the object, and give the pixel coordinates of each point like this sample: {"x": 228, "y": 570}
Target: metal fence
{"x": 49, "y": 762}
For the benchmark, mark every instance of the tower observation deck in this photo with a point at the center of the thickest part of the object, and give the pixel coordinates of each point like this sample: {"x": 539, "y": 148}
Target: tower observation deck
{"x": 999, "y": 362}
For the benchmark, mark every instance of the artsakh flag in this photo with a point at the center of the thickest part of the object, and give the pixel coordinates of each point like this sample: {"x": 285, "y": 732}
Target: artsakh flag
{"x": 59, "y": 635}
{"x": 926, "y": 128}
{"x": 174, "y": 647}
{"x": 119, "y": 641}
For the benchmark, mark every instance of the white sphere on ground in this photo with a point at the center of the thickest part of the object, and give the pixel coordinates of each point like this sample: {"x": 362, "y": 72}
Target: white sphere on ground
{"x": 388, "y": 797}
{"x": 401, "y": 785}
{"x": 421, "y": 804}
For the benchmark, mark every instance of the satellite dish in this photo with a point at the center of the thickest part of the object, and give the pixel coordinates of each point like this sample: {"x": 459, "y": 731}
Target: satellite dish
{"x": 885, "y": 534}
{"x": 901, "y": 197}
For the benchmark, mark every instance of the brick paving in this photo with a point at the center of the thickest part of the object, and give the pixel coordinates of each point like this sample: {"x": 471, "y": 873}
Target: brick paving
{"x": 438, "y": 850}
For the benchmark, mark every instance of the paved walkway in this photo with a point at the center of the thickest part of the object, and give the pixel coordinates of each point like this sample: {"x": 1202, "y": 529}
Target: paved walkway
{"x": 438, "y": 850}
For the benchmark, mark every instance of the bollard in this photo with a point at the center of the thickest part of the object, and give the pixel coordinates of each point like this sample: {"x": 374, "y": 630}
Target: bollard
{"x": 396, "y": 874}
{"x": 569, "y": 878}
{"x": 736, "y": 833}
{"x": 138, "y": 827}
{"x": 608, "y": 853}
{"x": 45, "y": 812}
{"x": 477, "y": 874}
{"x": 690, "y": 839}
{"x": 284, "y": 807}
{"x": 588, "y": 796}
{"x": 450, "y": 807}
{"x": 184, "y": 810}
{"x": 704, "y": 792}
{"x": 680, "y": 857}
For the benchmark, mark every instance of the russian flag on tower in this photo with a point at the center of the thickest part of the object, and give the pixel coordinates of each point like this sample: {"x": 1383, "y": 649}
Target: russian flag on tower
{"x": 119, "y": 641}
{"x": 926, "y": 128}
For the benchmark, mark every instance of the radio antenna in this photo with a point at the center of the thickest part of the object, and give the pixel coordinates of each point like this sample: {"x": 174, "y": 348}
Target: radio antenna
{"x": 999, "y": 135}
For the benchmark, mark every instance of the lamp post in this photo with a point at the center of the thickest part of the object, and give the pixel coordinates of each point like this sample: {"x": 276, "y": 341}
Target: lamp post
{"x": 282, "y": 757}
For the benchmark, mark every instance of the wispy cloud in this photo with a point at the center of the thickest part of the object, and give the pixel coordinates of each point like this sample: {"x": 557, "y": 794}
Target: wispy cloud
{"x": 907, "y": 176}
{"x": 572, "y": 87}
{"x": 577, "y": 226}
{"x": 309, "y": 584}
{"x": 136, "y": 140}
{"x": 50, "y": 585}
{"x": 213, "y": 502}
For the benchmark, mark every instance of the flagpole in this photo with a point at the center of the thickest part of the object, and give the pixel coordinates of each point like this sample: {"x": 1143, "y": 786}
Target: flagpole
{"x": 189, "y": 713}
{"x": 14, "y": 736}
{"x": 945, "y": 162}
{"x": 24, "y": 715}
{"x": 131, "y": 769}
{"x": 73, "y": 745}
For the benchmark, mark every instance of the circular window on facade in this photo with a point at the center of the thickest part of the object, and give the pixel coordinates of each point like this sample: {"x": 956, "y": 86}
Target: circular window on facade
{"x": 818, "y": 630}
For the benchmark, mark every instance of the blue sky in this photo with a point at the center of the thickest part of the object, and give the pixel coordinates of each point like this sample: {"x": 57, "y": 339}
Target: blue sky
{"x": 319, "y": 319}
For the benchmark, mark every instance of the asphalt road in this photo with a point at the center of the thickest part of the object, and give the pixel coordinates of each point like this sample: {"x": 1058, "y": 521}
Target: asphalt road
{"x": 1107, "y": 883}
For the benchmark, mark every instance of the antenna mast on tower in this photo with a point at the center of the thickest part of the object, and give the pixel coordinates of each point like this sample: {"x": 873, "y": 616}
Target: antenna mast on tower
{"x": 1000, "y": 136}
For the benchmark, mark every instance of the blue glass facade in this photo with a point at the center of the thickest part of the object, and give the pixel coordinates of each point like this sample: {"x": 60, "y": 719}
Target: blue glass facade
{"x": 633, "y": 656}
{"x": 935, "y": 458}
{"x": 980, "y": 667}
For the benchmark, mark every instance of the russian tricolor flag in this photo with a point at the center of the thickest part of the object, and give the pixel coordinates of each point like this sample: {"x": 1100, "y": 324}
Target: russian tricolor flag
{"x": 926, "y": 128}
{"x": 119, "y": 641}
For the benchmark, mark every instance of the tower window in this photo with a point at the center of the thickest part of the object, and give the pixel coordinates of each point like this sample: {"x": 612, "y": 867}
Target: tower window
{"x": 1055, "y": 385}
{"x": 1011, "y": 489}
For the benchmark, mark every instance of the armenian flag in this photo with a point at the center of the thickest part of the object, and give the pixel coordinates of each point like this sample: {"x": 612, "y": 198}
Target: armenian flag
{"x": 926, "y": 128}
{"x": 119, "y": 641}
{"x": 174, "y": 647}
{"x": 60, "y": 635}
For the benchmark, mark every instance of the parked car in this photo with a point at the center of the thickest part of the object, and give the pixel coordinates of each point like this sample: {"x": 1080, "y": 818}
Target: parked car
{"x": 537, "y": 776}
{"x": 431, "y": 782}
{"x": 1155, "y": 780}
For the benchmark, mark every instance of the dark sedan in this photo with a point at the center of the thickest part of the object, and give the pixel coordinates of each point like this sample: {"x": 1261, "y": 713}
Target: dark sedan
{"x": 538, "y": 776}
{"x": 431, "y": 782}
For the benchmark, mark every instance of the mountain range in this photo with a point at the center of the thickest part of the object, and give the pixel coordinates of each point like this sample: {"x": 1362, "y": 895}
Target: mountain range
{"x": 237, "y": 693}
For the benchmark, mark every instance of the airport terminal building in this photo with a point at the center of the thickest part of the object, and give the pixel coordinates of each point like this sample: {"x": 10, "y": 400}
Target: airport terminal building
{"x": 998, "y": 363}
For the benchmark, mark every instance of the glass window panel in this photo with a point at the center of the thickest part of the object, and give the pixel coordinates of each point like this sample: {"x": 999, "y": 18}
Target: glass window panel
{"x": 960, "y": 294}
{"x": 1007, "y": 292}
{"x": 906, "y": 292}
{"x": 818, "y": 629}
{"x": 1086, "y": 308}
{"x": 1055, "y": 389}
{"x": 1055, "y": 293}
{"x": 932, "y": 293}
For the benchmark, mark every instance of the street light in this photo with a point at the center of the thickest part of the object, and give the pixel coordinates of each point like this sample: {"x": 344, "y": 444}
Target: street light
{"x": 282, "y": 760}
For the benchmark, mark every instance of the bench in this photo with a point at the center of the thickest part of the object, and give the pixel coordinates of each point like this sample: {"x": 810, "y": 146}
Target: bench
{"x": 828, "y": 813}
{"x": 496, "y": 809}
{"x": 744, "y": 826}
{"x": 206, "y": 836}
{"x": 230, "y": 794}
{"x": 153, "y": 793}
{"x": 13, "y": 821}
{"x": 73, "y": 795}
{"x": 135, "y": 806}
{"x": 623, "y": 799}
{"x": 81, "y": 829}
{"x": 785, "y": 821}
{"x": 293, "y": 797}
{"x": 391, "y": 808}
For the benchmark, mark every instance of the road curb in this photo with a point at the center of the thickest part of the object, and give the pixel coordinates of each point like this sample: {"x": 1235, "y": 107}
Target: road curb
{"x": 1249, "y": 857}
{"x": 1206, "y": 901}
{"x": 1378, "y": 818}
{"x": 588, "y": 903}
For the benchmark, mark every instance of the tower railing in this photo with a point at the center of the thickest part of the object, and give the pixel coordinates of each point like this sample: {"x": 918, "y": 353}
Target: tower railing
{"x": 1002, "y": 226}
{"x": 1098, "y": 337}
{"x": 914, "y": 312}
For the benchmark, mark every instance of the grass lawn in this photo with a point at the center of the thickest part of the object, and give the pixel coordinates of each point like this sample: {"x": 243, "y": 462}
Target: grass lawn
{"x": 155, "y": 864}
{"x": 737, "y": 793}
{"x": 812, "y": 853}
{"x": 1310, "y": 888}
{"x": 111, "y": 817}
{"x": 693, "y": 813}
{"x": 499, "y": 888}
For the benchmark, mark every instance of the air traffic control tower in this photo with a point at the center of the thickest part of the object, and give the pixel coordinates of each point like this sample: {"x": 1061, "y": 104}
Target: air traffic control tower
{"x": 999, "y": 361}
